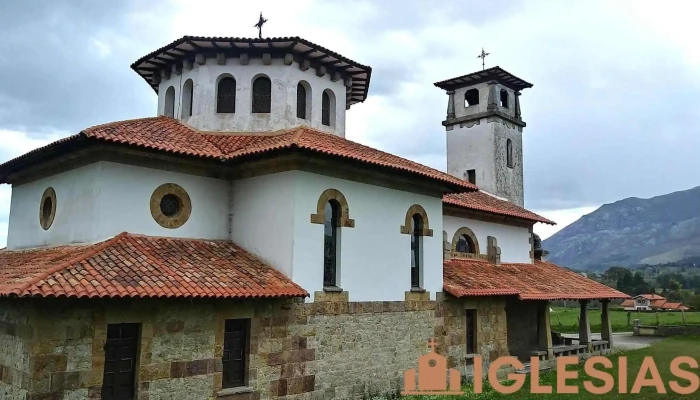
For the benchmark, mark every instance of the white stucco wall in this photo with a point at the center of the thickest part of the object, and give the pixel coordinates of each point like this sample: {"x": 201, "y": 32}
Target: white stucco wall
{"x": 262, "y": 215}
{"x": 375, "y": 257}
{"x": 514, "y": 241}
{"x": 284, "y": 97}
{"x": 100, "y": 200}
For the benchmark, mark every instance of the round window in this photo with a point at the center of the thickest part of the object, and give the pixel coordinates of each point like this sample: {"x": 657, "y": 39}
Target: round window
{"x": 47, "y": 208}
{"x": 170, "y": 206}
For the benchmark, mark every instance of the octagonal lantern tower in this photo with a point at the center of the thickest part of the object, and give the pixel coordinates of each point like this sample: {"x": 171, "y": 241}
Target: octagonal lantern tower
{"x": 254, "y": 85}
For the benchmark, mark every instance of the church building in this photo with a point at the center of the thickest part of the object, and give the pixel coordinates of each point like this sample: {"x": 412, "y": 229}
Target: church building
{"x": 238, "y": 246}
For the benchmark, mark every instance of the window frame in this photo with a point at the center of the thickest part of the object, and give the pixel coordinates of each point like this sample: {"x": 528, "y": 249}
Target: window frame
{"x": 227, "y": 365}
{"x": 470, "y": 343}
{"x": 331, "y": 256}
{"x": 417, "y": 251}
{"x": 187, "y": 97}
{"x": 169, "y": 102}
{"x": 472, "y": 94}
{"x": 220, "y": 95}
{"x": 306, "y": 114}
{"x": 509, "y": 153}
{"x": 266, "y": 98}
{"x": 504, "y": 97}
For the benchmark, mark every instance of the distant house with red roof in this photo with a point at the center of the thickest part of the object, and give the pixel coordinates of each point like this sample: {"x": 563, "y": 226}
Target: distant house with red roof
{"x": 651, "y": 302}
{"x": 238, "y": 245}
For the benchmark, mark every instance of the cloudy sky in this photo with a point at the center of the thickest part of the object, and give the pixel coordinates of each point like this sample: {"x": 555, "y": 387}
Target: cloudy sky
{"x": 613, "y": 112}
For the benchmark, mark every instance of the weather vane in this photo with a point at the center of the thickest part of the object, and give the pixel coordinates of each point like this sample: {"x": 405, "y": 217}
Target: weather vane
{"x": 259, "y": 25}
{"x": 482, "y": 56}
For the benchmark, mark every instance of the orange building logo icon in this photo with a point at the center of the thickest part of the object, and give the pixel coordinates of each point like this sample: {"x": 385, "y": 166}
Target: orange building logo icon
{"x": 432, "y": 375}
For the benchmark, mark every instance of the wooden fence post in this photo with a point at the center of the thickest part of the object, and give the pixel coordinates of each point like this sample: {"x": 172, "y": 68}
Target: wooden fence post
{"x": 657, "y": 318}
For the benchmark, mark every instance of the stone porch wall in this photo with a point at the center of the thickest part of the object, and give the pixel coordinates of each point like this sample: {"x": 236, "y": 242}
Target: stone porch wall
{"x": 322, "y": 350}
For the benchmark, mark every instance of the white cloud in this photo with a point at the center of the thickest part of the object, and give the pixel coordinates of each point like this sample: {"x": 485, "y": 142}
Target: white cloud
{"x": 562, "y": 218}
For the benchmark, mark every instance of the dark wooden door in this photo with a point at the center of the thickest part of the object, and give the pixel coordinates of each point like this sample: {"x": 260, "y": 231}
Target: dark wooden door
{"x": 234, "y": 362}
{"x": 120, "y": 361}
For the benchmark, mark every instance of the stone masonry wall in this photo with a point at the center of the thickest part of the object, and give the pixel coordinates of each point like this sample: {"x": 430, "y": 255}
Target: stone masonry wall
{"x": 322, "y": 350}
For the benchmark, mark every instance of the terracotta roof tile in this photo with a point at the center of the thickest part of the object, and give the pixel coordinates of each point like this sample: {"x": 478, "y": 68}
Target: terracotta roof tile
{"x": 484, "y": 202}
{"x": 170, "y": 135}
{"x": 627, "y": 303}
{"x": 142, "y": 266}
{"x": 538, "y": 281}
{"x": 652, "y": 297}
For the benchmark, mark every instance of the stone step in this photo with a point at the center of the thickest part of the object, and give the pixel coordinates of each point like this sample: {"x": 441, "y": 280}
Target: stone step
{"x": 527, "y": 369}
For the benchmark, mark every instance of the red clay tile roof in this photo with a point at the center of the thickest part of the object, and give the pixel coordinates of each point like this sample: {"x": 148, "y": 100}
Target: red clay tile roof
{"x": 539, "y": 281}
{"x": 627, "y": 303}
{"x": 484, "y": 202}
{"x": 657, "y": 303}
{"x": 170, "y": 135}
{"x": 142, "y": 266}
{"x": 671, "y": 306}
{"x": 651, "y": 296}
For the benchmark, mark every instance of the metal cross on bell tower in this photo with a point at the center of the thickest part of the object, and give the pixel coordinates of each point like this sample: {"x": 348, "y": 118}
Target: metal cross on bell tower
{"x": 259, "y": 25}
{"x": 482, "y": 56}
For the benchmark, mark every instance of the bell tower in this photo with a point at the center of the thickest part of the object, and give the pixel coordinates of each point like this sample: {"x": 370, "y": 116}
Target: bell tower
{"x": 484, "y": 131}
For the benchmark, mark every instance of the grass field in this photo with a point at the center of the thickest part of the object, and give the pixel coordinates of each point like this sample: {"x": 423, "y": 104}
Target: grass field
{"x": 662, "y": 353}
{"x": 565, "y": 320}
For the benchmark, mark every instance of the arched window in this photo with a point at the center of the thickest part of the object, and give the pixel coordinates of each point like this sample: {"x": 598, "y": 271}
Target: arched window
{"x": 226, "y": 96}
{"x": 187, "y": 91}
{"x": 509, "y": 153}
{"x": 262, "y": 95}
{"x": 416, "y": 250}
{"x": 471, "y": 97}
{"x": 169, "y": 106}
{"x": 328, "y": 108}
{"x": 303, "y": 100}
{"x": 465, "y": 244}
{"x": 504, "y": 98}
{"x": 331, "y": 228}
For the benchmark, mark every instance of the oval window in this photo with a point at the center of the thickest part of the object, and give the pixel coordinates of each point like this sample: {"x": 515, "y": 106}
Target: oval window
{"x": 47, "y": 208}
{"x": 170, "y": 205}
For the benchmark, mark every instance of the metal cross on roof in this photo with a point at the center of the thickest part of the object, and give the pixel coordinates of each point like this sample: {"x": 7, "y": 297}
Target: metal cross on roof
{"x": 482, "y": 56}
{"x": 259, "y": 25}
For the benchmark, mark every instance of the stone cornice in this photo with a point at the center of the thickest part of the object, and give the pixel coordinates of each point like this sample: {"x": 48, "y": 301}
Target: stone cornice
{"x": 486, "y": 114}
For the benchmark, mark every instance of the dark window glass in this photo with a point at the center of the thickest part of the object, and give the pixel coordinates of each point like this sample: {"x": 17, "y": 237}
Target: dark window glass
{"x": 169, "y": 109}
{"x": 465, "y": 244}
{"x": 120, "y": 361}
{"x": 301, "y": 101}
{"x": 226, "y": 96}
{"x": 326, "y": 109}
{"x": 471, "y": 176}
{"x": 504, "y": 98}
{"x": 471, "y": 331}
{"x": 170, "y": 205}
{"x": 416, "y": 250}
{"x": 471, "y": 97}
{"x": 330, "y": 243}
{"x": 187, "y": 92}
{"x": 46, "y": 208}
{"x": 235, "y": 352}
{"x": 509, "y": 153}
{"x": 262, "y": 98}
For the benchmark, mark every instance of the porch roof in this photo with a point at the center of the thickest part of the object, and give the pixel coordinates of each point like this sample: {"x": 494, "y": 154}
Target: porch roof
{"x": 539, "y": 281}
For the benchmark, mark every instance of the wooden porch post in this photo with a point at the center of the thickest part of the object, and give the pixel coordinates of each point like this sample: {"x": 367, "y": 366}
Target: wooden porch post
{"x": 544, "y": 330}
{"x": 605, "y": 325}
{"x": 584, "y": 326}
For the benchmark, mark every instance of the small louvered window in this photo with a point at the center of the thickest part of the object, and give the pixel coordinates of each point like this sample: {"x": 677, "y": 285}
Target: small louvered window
{"x": 262, "y": 97}
{"x": 226, "y": 96}
{"x": 301, "y": 101}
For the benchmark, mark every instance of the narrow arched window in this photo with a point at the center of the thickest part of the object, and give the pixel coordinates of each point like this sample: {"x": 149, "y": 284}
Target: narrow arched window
{"x": 187, "y": 92}
{"x": 169, "y": 106}
{"x": 328, "y": 108}
{"x": 504, "y": 98}
{"x": 471, "y": 97}
{"x": 465, "y": 244}
{"x": 301, "y": 101}
{"x": 416, "y": 250}
{"x": 226, "y": 96}
{"x": 330, "y": 243}
{"x": 509, "y": 153}
{"x": 262, "y": 95}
